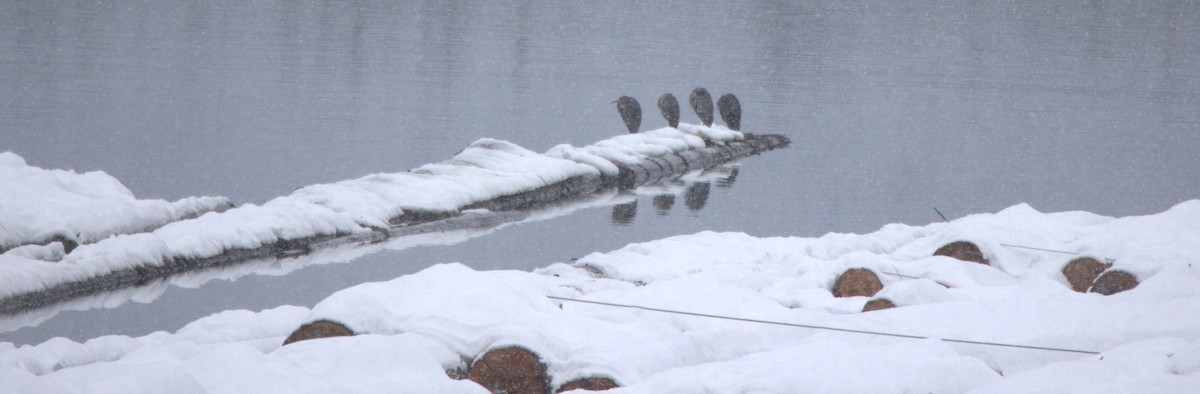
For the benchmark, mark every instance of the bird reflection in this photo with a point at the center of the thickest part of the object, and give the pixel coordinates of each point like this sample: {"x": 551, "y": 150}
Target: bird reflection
{"x": 623, "y": 214}
{"x": 663, "y": 203}
{"x": 696, "y": 196}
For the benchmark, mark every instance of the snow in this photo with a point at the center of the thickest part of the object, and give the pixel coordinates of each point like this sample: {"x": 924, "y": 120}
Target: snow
{"x": 95, "y": 207}
{"x": 415, "y": 327}
{"x": 37, "y": 204}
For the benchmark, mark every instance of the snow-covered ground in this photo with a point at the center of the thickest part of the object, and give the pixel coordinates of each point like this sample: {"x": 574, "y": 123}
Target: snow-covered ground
{"x": 482, "y": 171}
{"x": 414, "y": 328}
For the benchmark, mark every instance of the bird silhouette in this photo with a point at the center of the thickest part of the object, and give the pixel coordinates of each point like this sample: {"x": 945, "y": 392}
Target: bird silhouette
{"x": 731, "y": 111}
{"x": 631, "y": 112}
{"x": 669, "y": 107}
{"x": 702, "y": 103}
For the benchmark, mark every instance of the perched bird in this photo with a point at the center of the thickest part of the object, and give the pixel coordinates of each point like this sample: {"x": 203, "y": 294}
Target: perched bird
{"x": 631, "y": 112}
{"x": 702, "y": 103}
{"x": 731, "y": 111}
{"x": 669, "y": 107}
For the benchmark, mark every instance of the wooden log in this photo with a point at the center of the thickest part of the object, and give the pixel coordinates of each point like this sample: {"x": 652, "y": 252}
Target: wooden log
{"x": 857, "y": 282}
{"x": 1113, "y": 282}
{"x": 412, "y": 221}
{"x": 878, "y": 304}
{"x": 318, "y": 329}
{"x": 512, "y": 370}
{"x": 589, "y": 384}
{"x": 1082, "y": 272}
{"x": 962, "y": 250}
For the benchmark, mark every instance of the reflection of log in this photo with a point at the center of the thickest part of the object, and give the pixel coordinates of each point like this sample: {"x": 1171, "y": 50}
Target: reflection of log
{"x": 729, "y": 180}
{"x": 504, "y": 209}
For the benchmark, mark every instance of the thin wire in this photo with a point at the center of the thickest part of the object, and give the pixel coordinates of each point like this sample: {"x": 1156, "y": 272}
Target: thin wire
{"x": 1106, "y": 259}
{"x": 1041, "y": 249}
{"x": 815, "y": 327}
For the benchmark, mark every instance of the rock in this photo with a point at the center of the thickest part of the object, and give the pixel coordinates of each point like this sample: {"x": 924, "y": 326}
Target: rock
{"x": 318, "y": 329}
{"x": 1113, "y": 282}
{"x": 962, "y": 250}
{"x": 857, "y": 282}
{"x": 1082, "y": 272}
{"x": 511, "y": 370}
{"x": 878, "y": 304}
{"x": 589, "y": 384}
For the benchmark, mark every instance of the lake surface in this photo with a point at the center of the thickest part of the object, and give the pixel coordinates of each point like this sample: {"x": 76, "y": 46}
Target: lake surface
{"x": 894, "y": 108}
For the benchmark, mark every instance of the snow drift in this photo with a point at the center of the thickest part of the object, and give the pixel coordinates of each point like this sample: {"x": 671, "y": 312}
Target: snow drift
{"x": 39, "y": 206}
{"x": 414, "y": 328}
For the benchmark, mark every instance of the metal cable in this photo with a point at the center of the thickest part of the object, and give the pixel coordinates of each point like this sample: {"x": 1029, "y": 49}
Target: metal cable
{"x": 816, "y": 327}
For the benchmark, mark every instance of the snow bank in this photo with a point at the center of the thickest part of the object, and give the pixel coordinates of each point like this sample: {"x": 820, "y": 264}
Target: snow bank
{"x": 414, "y": 327}
{"x": 95, "y": 204}
{"x": 38, "y": 206}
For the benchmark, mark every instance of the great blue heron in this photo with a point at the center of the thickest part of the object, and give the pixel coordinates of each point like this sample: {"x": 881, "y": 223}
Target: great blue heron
{"x": 631, "y": 112}
{"x": 701, "y": 101}
{"x": 731, "y": 111}
{"x": 669, "y": 107}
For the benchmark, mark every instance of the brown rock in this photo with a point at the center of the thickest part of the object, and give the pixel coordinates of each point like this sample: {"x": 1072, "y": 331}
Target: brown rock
{"x": 589, "y": 384}
{"x": 318, "y": 329}
{"x": 878, "y": 304}
{"x": 1082, "y": 271}
{"x": 857, "y": 282}
{"x": 511, "y": 370}
{"x": 1113, "y": 282}
{"x": 962, "y": 250}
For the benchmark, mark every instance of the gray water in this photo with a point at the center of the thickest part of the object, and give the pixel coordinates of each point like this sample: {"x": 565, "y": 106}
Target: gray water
{"x": 894, "y": 108}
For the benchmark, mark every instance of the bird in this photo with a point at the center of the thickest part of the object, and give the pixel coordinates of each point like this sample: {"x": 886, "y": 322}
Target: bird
{"x": 703, "y": 105}
{"x": 731, "y": 111}
{"x": 631, "y": 112}
{"x": 669, "y": 107}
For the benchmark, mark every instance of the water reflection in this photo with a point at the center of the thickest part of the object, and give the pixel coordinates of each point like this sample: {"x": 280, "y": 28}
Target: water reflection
{"x": 696, "y": 196}
{"x": 623, "y": 214}
{"x": 663, "y": 203}
{"x": 728, "y": 180}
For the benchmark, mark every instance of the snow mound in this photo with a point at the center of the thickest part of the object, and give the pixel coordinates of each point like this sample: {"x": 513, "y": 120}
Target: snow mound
{"x": 412, "y": 329}
{"x": 39, "y": 206}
